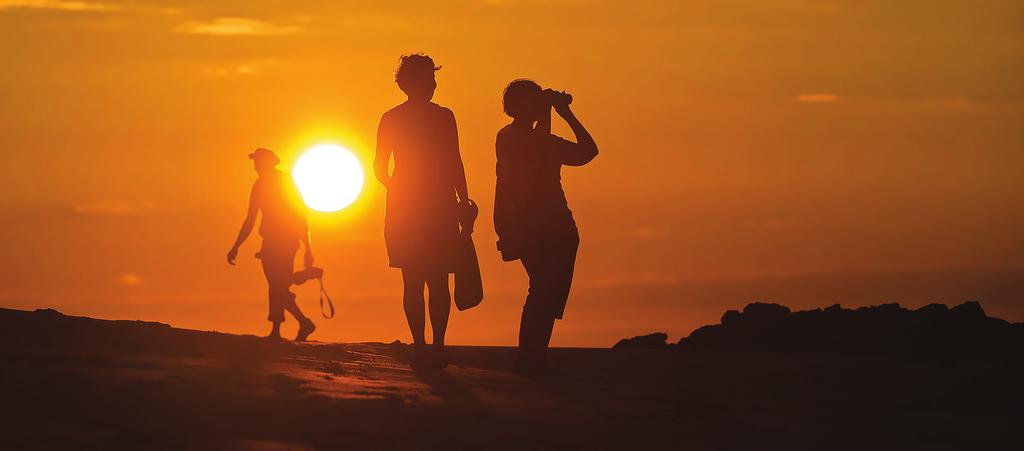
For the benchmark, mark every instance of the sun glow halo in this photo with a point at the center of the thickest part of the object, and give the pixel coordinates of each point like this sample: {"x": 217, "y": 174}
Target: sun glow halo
{"x": 329, "y": 177}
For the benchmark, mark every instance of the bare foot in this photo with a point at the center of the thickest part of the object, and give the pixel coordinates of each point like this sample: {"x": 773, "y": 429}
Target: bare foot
{"x": 275, "y": 333}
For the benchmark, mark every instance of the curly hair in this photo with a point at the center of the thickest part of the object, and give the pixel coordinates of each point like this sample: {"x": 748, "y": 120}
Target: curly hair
{"x": 414, "y": 65}
{"x": 519, "y": 96}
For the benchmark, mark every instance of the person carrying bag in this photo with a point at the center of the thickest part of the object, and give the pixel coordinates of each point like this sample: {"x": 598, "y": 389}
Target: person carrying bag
{"x": 469, "y": 289}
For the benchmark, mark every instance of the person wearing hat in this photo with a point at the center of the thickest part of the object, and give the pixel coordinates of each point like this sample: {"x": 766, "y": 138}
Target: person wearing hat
{"x": 282, "y": 228}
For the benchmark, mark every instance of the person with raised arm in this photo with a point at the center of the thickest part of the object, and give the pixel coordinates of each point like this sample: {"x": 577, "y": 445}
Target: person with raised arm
{"x": 531, "y": 215}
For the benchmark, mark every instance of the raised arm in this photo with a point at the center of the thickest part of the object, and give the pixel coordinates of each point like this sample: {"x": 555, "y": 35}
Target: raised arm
{"x": 247, "y": 225}
{"x": 383, "y": 157}
{"x": 585, "y": 149}
{"x": 544, "y": 122}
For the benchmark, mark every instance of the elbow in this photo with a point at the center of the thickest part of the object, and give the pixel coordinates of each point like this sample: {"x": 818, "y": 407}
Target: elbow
{"x": 586, "y": 156}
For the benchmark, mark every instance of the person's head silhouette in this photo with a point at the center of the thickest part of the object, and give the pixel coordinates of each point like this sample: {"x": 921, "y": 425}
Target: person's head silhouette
{"x": 265, "y": 160}
{"x": 415, "y": 76}
{"x": 524, "y": 100}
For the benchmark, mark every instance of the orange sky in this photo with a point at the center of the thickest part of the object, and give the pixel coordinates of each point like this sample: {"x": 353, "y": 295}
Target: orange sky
{"x": 798, "y": 151}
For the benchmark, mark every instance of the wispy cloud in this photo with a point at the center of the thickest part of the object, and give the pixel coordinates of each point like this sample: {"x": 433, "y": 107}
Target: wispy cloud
{"x": 113, "y": 207}
{"x": 243, "y": 68}
{"x": 60, "y": 5}
{"x": 817, "y": 98}
{"x": 236, "y": 26}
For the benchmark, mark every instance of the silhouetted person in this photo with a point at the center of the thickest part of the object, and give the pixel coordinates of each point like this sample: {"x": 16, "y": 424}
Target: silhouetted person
{"x": 531, "y": 216}
{"x": 421, "y": 226}
{"x": 283, "y": 227}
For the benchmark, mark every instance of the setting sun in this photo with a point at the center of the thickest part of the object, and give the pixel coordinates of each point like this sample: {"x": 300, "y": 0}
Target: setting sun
{"x": 329, "y": 177}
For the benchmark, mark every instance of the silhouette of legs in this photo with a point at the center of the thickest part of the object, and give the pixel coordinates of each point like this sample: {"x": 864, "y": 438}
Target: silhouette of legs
{"x": 535, "y": 330}
{"x": 278, "y": 264}
{"x": 412, "y": 300}
{"x": 440, "y": 306}
{"x": 440, "y": 301}
{"x": 550, "y": 269}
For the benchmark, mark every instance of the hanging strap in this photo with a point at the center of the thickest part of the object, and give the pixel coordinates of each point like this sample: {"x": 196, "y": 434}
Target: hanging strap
{"x": 325, "y": 297}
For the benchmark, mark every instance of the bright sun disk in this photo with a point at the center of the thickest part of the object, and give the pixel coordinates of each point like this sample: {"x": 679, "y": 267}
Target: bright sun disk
{"x": 328, "y": 176}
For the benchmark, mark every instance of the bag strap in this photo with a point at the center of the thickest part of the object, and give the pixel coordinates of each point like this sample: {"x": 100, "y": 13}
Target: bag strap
{"x": 324, "y": 296}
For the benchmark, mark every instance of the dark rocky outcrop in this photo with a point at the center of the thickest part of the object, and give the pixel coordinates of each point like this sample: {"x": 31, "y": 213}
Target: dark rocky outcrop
{"x": 657, "y": 340}
{"x": 930, "y": 332}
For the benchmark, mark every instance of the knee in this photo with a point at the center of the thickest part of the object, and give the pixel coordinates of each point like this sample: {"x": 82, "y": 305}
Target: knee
{"x": 536, "y": 310}
{"x": 539, "y": 287}
{"x": 281, "y": 295}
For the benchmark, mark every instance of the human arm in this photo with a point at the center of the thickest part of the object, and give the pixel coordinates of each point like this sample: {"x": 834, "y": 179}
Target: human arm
{"x": 585, "y": 149}
{"x": 247, "y": 225}
{"x": 461, "y": 188}
{"x": 512, "y": 193}
{"x": 544, "y": 121}
{"x": 383, "y": 157}
{"x": 468, "y": 210}
{"x": 307, "y": 250}
{"x": 514, "y": 183}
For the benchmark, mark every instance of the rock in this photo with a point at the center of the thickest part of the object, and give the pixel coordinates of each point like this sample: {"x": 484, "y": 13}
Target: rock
{"x": 48, "y": 312}
{"x": 730, "y": 316}
{"x": 657, "y": 340}
{"x": 932, "y": 332}
{"x": 969, "y": 311}
{"x": 765, "y": 311}
{"x": 933, "y": 309}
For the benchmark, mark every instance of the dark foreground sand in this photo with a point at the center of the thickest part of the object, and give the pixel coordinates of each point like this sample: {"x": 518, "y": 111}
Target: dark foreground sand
{"x": 77, "y": 383}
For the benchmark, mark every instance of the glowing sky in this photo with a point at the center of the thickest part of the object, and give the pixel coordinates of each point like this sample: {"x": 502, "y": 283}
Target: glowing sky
{"x": 802, "y": 152}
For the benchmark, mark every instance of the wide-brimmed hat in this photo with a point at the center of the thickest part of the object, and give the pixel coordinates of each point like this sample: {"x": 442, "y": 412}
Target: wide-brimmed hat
{"x": 265, "y": 154}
